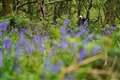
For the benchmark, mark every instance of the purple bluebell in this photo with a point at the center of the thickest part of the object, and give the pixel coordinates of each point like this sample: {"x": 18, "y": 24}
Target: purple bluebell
{"x": 3, "y": 26}
{"x": 113, "y": 27}
{"x": 23, "y": 30}
{"x": 64, "y": 34}
{"x": 42, "y": 47}
{"x": 39, "y": 42}
{"x": 37, "y": 38}
{"x": 1, "y": 57}
{"x": 7, "y": 43}
{"x": 64, "y": 44}
{"x": 18, "y": 50}
{"x": 14, "y": 30}
{"x": 66, "y": 22}
{"x": 63, "y": 30}
{"x": 25, "y": 43}
{"x": 88, "y": 39}
{"x": 49, "y": 66}
{"x": 29, "y": 48}
{"x": 96, "y": 49}
{"x": 1, "y": 33}
{"x": 57, "y": 67}
{"x": 82, "y": 54}
{"x": 81, "y": 33}
{"x": 85, "y": 24}
{"x": 108, "y": 30}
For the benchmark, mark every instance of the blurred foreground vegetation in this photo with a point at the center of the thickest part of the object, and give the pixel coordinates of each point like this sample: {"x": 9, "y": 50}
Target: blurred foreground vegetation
{"x": 59, "y": 40}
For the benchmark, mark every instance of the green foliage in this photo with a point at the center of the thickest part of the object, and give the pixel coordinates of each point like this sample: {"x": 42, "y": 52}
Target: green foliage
{"x": 55, "y": 33}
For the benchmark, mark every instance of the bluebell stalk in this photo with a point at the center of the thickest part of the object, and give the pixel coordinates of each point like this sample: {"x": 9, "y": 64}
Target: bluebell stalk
{"x": 7, "y": 43}
{"x": 82, "y": 54}
{"x": 24, "y": 42}
{"x": 81, "y": 32}
{"x": 1, "y": 33}
{"x": 96, "y": 49}
{"x": 88, "y": 39}
{"x": 1, "y": 58}
{"x": 39, "y": 42}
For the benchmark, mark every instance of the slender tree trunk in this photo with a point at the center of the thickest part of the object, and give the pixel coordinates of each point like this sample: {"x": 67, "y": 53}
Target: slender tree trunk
{"x": 110, "y": 12}
{"x": 15, "y": 4}
{"x": 88, "y": 11}
{"x": 41, "y": 9}
{"x": 30, "y": 8}
{"x": 6, "y": 7}
{"x": 55, "y": 14}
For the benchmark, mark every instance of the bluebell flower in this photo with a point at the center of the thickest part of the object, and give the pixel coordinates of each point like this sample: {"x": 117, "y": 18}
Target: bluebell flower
{"x": 1, "y": 33}
{"x": 39, "y": 42}
{"x": 3, "y": 26}
{"x": 82, "y": 54}
{"x": 49, "y": 67}
{"x": 85, "y": 24}
{"x": 55, "y": 68}
{"x": 42, "y": 47}
{"x": 66, "y": 22}
{"x": 37, "y": 38}
{"x": 64, "y": 44}
{"x": 113, "y": 27}
{"x": 88, "y": 39}
{"x": 64, "y": 34}
{"x": 25, "y": 43}
{"x": 7, "y": 43}
{"x": 18, "y": 50}
{"x": 96, "y": 49}
{"x": 108, "y": 30}
{"x": 81, "y": 32}
{"x": 63, "y": 30}
{"x": 29, "y": 48}
{"x": 1, "y": 58}
{"x": 23, "y": 30}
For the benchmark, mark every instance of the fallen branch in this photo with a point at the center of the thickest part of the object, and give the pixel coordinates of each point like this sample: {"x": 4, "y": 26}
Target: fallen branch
{"x": 75, "y": 67}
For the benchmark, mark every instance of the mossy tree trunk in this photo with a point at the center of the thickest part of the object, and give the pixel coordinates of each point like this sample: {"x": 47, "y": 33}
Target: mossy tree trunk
{"x": 6, "y": 7}
{"x": 110, "y": 12}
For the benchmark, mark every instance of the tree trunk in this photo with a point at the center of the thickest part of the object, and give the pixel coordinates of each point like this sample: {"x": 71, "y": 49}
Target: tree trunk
{"x": 30, "y": 8}
{"x": 6, "y": 7}
{"x": 110, "y": 12}
{"x": 41, "y": 8}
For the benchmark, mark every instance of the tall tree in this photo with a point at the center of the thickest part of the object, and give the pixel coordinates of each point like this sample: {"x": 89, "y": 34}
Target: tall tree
{"x": 6, "y": 7}
{"x": 41, "y": 8}
{"x": 110, "y": 13}
{"x": 30, "y": 8}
